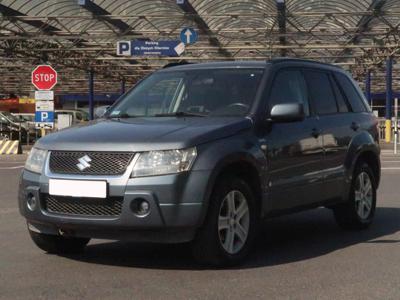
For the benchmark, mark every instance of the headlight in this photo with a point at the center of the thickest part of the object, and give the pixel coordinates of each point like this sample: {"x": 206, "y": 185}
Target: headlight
{"x": 36, "y": 160}
{"x": 164, "y": 162}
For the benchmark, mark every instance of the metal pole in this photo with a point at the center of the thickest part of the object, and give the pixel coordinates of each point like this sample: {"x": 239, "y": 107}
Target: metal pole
{"x": 396, "y": 130}
{"x": 368, "y": 87}
{"x": 19, "y": 132}
{"x": 389, "y": 95}
{"x": 91, "y": 95}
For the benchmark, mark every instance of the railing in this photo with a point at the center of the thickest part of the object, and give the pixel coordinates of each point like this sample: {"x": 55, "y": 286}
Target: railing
{"x": 24, "y": 136}
{"x": 382, "y": 129}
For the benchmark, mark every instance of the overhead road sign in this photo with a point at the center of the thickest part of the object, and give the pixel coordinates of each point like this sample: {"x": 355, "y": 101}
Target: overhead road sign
{"x": 44, "y": 77}
{"x": 150, "y": 48}
{"x": 124, "y": 48}
{"x": 157, "y": 48}
{"x": 188, "y": 36}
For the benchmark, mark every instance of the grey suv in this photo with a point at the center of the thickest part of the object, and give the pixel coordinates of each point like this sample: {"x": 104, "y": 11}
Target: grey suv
{"x": 203, "y": 153}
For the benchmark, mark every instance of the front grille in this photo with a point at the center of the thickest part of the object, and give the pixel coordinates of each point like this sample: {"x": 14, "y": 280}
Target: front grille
{"x": 82, "y": 206}
{"x": 100, "y": 163}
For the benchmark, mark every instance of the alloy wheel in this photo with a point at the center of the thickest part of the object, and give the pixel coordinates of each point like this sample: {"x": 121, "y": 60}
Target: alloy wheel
{"x": 233, "y": 222}
{"x": 363, "y": 195}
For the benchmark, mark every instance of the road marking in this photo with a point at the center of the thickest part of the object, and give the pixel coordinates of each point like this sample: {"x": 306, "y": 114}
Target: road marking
{"x": 391, "y": 168}
{"x": 11, "y": 168}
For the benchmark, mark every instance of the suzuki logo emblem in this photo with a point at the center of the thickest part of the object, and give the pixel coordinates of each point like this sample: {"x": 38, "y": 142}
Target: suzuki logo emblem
{"x": 84, "y": 162}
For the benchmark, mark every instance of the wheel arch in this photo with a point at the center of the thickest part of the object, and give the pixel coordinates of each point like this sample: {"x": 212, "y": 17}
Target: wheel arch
{"x": 372, "y": 160}
{"x": 363, "y": 148}
{"x": 242, "y": 165}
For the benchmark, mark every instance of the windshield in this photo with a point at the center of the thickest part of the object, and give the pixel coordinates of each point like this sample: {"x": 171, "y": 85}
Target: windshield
{"x": 221, "y": 92}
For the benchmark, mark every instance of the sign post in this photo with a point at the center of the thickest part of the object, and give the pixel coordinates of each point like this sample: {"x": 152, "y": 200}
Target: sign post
{"x": 396, "y": 125}
{"x": 44, "y": 78}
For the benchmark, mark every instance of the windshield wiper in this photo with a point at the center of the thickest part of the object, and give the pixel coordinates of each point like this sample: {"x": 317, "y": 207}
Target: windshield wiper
{"x": 121, "y": 116}
{"x": 180, "y": 114}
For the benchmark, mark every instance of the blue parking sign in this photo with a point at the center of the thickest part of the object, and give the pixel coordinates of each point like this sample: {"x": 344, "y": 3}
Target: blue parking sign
{"x": 44, "y": 116}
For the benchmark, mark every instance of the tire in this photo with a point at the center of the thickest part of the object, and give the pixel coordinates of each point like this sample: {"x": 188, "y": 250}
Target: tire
{"x": 214, "y": 244}
{"x": 350, "y": 215}
{"x": 57, "y": 244}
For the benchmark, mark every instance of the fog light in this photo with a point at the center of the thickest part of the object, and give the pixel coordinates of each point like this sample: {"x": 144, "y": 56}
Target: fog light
{"x": 31, "y": 202}
{"x": 140, "y": 207}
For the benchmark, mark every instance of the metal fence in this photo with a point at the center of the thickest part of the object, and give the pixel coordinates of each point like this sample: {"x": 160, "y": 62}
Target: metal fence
{"x": 382, "y": 128}
{"x": 23, "y": 135}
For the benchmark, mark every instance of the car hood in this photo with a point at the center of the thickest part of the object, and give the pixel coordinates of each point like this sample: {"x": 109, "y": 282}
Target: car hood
{"x": 143, "y": 134}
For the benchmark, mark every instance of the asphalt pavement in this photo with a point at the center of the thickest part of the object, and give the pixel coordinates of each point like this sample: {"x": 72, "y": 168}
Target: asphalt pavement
{"x": 301, "y": 256}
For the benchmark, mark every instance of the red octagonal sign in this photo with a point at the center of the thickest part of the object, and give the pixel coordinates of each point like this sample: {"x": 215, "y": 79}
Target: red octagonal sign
{"x": 44, "y": 77}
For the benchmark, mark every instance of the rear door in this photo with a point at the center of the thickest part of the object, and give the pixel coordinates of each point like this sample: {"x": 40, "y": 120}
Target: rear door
{"x": 294, "y": 149}
{"x": 333, "y": 111}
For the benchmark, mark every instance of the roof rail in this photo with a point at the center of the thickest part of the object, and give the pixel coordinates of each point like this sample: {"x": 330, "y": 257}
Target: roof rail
{"x": 178, "y": 63}
{"x": 283, "y": 59}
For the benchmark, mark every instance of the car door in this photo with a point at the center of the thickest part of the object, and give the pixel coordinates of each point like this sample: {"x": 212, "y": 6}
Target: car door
{"x": 332, "y": 110}
{"x": 294, "y": 149}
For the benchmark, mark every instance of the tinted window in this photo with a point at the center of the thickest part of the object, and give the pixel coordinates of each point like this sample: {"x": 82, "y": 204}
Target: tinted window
{"x": 321, "y": 92}
{"x": 351, "y": 93}
{"x": 289, "y": 87}
{"x": 341, "y": 101}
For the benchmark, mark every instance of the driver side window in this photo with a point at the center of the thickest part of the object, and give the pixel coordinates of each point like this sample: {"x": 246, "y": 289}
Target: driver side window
{"x": 289, "y": 86}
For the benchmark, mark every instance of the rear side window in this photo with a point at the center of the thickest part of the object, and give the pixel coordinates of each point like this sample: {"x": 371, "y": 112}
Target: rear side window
{"x": 351, "y": 93}
{"x": 340, "y": 99}
{"x": 321, "y": 92}
{"x": 289, "y": 87}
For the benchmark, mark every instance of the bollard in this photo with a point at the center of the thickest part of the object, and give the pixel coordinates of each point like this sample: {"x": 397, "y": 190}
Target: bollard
{"x": 388, "y": 131}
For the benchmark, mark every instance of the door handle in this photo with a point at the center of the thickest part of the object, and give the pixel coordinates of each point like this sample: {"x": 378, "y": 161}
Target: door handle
{"x": 354, "y": 126}
{"x": 315, "y": 132}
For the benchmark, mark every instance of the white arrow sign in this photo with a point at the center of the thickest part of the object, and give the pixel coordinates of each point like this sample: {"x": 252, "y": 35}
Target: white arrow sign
{"x": 188, "y": 34}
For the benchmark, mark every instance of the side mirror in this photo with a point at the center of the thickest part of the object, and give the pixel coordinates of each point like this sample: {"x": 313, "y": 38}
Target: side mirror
{"x": 100, "y": 111}
{"x": 290, "y": 112}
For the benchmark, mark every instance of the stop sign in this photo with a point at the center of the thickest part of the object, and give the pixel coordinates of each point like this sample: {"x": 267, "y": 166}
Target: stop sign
{"x": 44, "y": 77}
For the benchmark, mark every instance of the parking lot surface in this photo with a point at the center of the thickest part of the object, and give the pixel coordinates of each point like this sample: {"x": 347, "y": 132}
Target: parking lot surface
{"x": 302, "y": 256}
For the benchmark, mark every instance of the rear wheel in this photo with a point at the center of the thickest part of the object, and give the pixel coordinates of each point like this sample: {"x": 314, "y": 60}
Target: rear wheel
{"x": 358, "y": 212}
{"x": 58, "y": 244}
{"x": 230, "y": 226}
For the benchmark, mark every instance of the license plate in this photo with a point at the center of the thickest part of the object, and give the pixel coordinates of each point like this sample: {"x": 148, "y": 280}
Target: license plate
{"x": 78, "y": 188}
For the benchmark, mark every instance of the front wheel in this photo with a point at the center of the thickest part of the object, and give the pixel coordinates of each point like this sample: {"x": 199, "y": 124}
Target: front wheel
{"x": 230, "y": 226}
{"x": 358, "y": 212}
{"x": 58, "y": 244}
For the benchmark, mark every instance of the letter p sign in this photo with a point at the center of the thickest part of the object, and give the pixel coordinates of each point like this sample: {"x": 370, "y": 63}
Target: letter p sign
{"x": 124, "y": 48}
{"x": 45, "y": 116}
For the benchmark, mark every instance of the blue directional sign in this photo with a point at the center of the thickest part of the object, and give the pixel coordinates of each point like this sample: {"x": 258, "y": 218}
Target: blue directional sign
{"x": 44, "y": 116}
{"x": 157, "y": 48}
{"x": 188, "y": 36}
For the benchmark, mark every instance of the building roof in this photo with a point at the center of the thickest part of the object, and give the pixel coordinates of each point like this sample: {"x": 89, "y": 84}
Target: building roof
{"x": 76, "y": 36}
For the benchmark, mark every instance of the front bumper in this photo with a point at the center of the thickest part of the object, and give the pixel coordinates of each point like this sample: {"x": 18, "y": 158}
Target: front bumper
{"x": 176, "y": 207}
